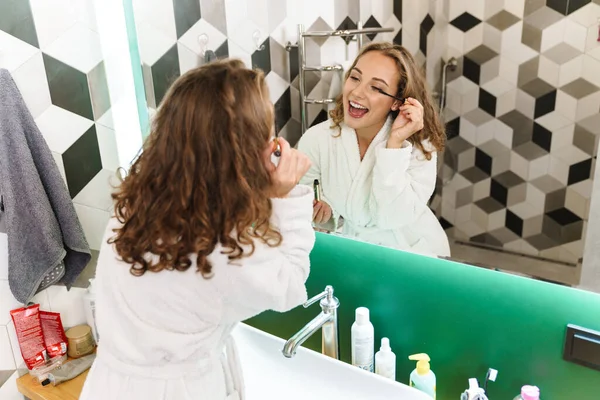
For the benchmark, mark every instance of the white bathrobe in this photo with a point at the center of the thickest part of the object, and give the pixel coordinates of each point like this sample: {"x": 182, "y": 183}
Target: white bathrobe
{"x": 166, "y": 335}
{"x": 383, "y": 198}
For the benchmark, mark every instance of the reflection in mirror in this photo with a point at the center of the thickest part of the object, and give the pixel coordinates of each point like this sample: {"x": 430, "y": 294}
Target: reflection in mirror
{"x": 508, "y": 187}
{"x": 375, "y": 159}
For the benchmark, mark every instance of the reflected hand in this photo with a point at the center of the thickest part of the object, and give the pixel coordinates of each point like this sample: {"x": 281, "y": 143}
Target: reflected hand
{"x": 292, "y": 166}
{"x": 321, "y": 212}
{"x": 408, "y": 122}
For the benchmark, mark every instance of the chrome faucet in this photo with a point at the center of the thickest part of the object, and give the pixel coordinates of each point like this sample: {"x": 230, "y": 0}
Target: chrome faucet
{"x": 327, "y": 320}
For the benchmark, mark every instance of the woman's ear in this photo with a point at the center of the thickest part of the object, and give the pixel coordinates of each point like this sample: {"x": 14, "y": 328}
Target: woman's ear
{"x": 395, "y": 105}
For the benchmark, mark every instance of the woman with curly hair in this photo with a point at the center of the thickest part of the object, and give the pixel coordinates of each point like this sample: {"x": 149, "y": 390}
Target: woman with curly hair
{"x": 375, "y": 158}
{"x": 207, "y": 232}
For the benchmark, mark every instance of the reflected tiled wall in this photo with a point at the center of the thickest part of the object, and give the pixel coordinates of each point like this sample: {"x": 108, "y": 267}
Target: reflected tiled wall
{"x": 52, "y": 50}
{"x": 523, "y": 123}
{"x": 168, "y": 33}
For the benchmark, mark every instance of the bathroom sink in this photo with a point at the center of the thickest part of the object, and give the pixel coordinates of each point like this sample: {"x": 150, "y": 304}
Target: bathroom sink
{"x": 308, "y": 375}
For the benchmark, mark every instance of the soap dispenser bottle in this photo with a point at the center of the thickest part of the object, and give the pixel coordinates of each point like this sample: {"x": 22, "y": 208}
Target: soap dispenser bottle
{"x": 422, "y": 377}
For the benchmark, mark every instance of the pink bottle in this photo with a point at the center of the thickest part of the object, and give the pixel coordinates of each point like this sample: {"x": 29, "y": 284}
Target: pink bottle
{"x": 529, "y": 393}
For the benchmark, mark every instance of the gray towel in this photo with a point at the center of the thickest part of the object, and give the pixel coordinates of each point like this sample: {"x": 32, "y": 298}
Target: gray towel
{"x": 46, "y": 243}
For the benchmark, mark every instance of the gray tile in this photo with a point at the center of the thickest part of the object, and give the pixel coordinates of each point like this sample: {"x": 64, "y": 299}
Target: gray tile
{"x": 532, "y": 6}
{"x": 504, "y": 235}
{"x": 501, "y": 162}
{"x": 543, "y": 18}
{"x": 465, "y": 160}
{"x": 68, "y": 87}
{"x": 458, "y": 145}
{"x": 487, "y": 239}
{"x": 532, "y": 226}
{"x": 562, "y": 53}
{"x": 592, "y": 124}
{"x": 493, "y": 148}
{"x": 481, "y": 54}
{"x": 164, "y": 72}
{"x": 16, "y": 19}
{"x": 318, "y": 25}
{"x": 530, "y": 151}
{"x": 187, "y": 13}
{"x": 279, "y": 59}
{"x": 528, "y": 71}
{"x": 521, "y": 125}
{"x": 490, "y": 70}
{"x": 579, "y": 88}
{"x": 531, "y": 36}
{"x": 585, "y": 140}
{"x": 292, "y": 131}
{"x": 503, "y": 20}
{"x": 537, "y": 88}
{"x": 214, "y": 13}
{"x": 541, "y": 241}
{"x": 517, "y": 194}
{"x": 99, "y": 90}
{"x": 572, "y": 232}
{"x": 83, "y": 280}
{"x": 478, "y": 117}
{"x": 489, "y": 205}
{"x": 552, "y": 229}
{"x": 509, "y": 179}
{"x": 474, "y": 174}
{"x": 547, "y": 184}
{"x": 555, "y": 200}
{"x": 5, "y": 374}
{"x": 464, "y": 196}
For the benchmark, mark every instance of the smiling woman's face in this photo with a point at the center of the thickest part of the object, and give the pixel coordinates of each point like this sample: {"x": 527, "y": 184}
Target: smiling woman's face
{"x": 364, "y": 107}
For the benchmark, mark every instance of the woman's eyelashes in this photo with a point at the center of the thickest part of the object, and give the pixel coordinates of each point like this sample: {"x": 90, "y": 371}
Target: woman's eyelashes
{"x": 373, "y": 88}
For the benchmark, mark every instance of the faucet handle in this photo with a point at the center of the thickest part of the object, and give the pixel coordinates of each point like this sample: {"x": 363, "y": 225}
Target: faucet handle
{"x": 328, "y": 292}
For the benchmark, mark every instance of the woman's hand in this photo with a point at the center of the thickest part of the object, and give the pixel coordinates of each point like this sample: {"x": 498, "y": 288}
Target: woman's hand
{"x": 292, "y": 166}
{"x": 408, "y": 122}
{"x": 321, "y": 212}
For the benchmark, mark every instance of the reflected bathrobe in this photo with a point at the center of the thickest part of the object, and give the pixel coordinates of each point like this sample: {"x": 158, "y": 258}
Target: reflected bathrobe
{"x": 383, "y": 198}
{"x": 166, "y": 335}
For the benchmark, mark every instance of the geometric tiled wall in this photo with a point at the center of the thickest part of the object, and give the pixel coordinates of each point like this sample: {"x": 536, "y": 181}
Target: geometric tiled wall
{"x": 523, "y": 123}
{"x": 52, "y": 50}
{"x": 168, "y": 33}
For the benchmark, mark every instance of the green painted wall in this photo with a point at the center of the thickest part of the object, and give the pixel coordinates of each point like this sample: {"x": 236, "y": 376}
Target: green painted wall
{"x": 466, "y": 318}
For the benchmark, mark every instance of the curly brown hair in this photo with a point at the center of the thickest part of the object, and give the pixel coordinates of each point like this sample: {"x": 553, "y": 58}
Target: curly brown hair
{"x": 201, "y": 178}
{"x": 413, "y": 84}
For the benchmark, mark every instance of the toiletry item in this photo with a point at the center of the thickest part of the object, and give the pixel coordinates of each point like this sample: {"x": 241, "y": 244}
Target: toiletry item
{"x": 71, "y": 369}
{"x": 30, "y": 336}
{"x": 89, "y": 304}
{"x": 81, "y": 341}
{"x": 54, "y": 334}
{"x": 42, "y": 372}
{"x": 474, "y": 392}
{"x": 422, "y": 377}
{"x": 277, "y": 146}
{"x": 491, "y": 376}
{"x": 363, "y": 340}
{"x": 529, "y": 393}
{"x": 385, "y": 360}
{"x": 317, "y": 190}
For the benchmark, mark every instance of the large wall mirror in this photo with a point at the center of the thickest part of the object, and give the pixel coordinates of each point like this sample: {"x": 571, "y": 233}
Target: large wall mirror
{"x": 516, "y": 86}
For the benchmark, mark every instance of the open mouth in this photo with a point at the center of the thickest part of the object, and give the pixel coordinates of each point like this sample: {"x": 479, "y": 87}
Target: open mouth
{"x": 357, "y": 110}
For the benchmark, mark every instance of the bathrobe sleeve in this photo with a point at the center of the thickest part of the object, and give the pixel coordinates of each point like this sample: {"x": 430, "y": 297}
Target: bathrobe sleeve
{"x": 403, "y": 182}
{"x": 273, "y": 277}
{"x": 310, "y": 144}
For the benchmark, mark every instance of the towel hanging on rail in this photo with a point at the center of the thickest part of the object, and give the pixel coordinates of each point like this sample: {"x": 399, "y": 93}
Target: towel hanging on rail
{"x": 46, "y": 243}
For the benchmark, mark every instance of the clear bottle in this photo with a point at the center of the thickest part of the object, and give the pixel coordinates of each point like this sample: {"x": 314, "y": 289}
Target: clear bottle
{"x": 385, "y": 360}
{"x": 89, "y": 303}
{"x": 529, "y": 393}
{"x": 363, "y": 340}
